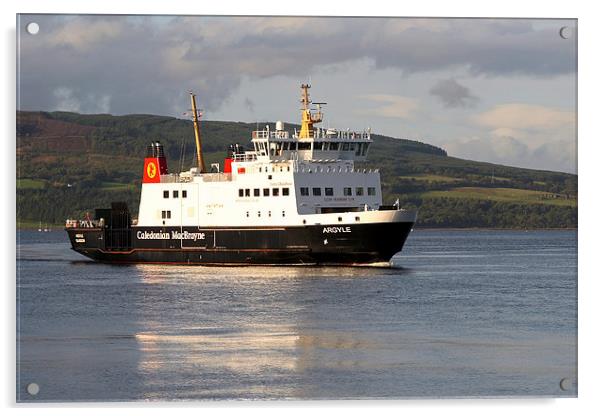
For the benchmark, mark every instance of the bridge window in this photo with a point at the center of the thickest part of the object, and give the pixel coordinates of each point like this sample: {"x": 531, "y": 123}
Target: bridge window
{"x": 247, "y": 192}
{"x": 328, "y": 191}
{"x": 371, "y": 191}
{"x": 241, "y": 193}
{"x": 316, "y": 191}
{"x": 347, "y": 191}
{"x": 359, "y": 191}
{"x": 304, "y": 145}
{"x": 176, "y": 194}
{"x": 165, "y": 194}
{"x": 304, "y": 191}
{"x": 345, "y": 146}
{"x": 365, "y": 149}
{"x": 266, "y": 191}
{"x": 334, "y": 146}
{"x": 275, "y": 191}
{"x": 285, "y": 191}
{"x": 352, "y": 146}
{"x": 184, "y": 194}
{"x": 256, "y": 192}
{"x": 358, "y": 151}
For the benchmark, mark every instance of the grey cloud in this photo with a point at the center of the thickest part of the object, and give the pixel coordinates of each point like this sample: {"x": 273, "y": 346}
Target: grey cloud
{"x": 249, "y": 105}
{"x": 453, "y": 94}
{"x": 556, "y": 156}
{"x": 145, "y": 64}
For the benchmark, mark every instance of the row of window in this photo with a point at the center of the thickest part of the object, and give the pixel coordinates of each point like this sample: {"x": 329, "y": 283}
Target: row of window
{"x": 269, "y": 214}
{"x": 261, "y": 169}
{"x": 166, "y": 214}
{"x": 176, "y": 194}
{"x": 276, "y": 148}
{"x": 242, "y": 192}
{"x": 266, "y": 192}
{"x": 347, "y": 191}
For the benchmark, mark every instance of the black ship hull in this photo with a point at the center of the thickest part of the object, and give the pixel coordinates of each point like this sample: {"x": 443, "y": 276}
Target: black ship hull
{"x": 345, "y": 244}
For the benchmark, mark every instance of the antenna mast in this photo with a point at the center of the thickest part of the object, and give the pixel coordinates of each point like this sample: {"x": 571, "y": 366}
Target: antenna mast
{"x": 197, "y": 134}
{"x": 307, "y": 117}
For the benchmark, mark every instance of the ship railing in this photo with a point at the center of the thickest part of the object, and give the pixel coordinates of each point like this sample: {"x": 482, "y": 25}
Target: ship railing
{"x": 244, "y": 157}
{"x": 342, "y": 134}
{"x": 270, "y": 134}
{"x": 84, "y": 223}
{"x": 169, "y": 178}
{"x": 183, "y": 177}
{"x": 331, "y": 169}
{"x": 217, "y": 177}
{"x": 318, "y": 134}
{"x": 326, "y": 134}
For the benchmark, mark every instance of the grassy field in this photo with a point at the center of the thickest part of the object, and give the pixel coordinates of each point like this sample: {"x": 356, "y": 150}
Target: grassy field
{"x": 116, "y": 186}
{"x": 30, "y": 184}
{"x": 504, "y": 195}
{"x": 430, "y": 178}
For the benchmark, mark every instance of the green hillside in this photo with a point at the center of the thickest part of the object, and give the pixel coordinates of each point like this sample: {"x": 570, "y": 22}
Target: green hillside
{"x": 70, "y": 163}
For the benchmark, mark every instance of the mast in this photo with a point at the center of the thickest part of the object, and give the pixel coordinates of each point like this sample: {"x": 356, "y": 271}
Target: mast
{"x": 197, "y": 134}
{"x": 307, "y": 118}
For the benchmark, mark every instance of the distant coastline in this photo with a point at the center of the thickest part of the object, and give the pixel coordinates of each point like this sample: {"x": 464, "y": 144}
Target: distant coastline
{"x": 54, "y": 184}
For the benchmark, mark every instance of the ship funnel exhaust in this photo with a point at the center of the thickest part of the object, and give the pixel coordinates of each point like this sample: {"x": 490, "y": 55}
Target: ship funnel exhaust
{"x": 155, "y": 163}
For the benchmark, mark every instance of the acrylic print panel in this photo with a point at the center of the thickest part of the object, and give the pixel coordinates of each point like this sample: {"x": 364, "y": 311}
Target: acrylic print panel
{"x": 295, "y": 208}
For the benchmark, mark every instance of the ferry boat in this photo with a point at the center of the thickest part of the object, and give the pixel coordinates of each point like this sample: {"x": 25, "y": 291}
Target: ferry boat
{"x": 296, "y": 198}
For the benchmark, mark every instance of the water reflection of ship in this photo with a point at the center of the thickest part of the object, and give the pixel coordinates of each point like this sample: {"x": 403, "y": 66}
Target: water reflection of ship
{"x": 271, "y": 351}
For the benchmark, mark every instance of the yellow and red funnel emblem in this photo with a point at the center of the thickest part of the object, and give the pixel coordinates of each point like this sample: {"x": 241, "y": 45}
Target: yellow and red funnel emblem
{"x": 151, "y": 171}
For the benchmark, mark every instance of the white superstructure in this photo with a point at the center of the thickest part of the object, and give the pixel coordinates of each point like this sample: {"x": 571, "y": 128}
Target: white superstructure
{"x": 305, "y": 177}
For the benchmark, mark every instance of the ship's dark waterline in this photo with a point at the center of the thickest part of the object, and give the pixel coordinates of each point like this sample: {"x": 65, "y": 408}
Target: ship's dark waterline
{"x": 355, "y": 244}
{"x": 462, "y": 313}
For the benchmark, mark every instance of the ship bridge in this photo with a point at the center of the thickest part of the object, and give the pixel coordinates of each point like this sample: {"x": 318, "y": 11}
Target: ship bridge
{"x": 309, "y": 143}
{"x": 323, "y": 145}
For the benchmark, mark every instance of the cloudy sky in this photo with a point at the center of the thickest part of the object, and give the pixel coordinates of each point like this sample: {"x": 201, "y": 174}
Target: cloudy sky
{"x": 497, "y": 90}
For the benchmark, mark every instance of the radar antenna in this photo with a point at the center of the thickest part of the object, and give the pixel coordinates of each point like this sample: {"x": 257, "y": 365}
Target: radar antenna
{"x": 307, "y": 117}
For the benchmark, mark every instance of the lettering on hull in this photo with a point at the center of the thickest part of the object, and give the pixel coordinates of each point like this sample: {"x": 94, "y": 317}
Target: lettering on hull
{"x": 174, "y": 235}
{"x": 335, "y": 230}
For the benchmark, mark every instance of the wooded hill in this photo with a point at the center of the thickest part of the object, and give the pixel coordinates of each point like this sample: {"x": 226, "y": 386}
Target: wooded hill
{"x": 70, "y": 163}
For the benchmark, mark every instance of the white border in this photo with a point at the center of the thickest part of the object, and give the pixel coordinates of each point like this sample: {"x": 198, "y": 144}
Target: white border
{"x": 589, "y": 157}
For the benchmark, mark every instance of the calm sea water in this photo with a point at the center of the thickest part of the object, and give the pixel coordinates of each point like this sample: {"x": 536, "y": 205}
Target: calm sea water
{"x": 463, "y": 313}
